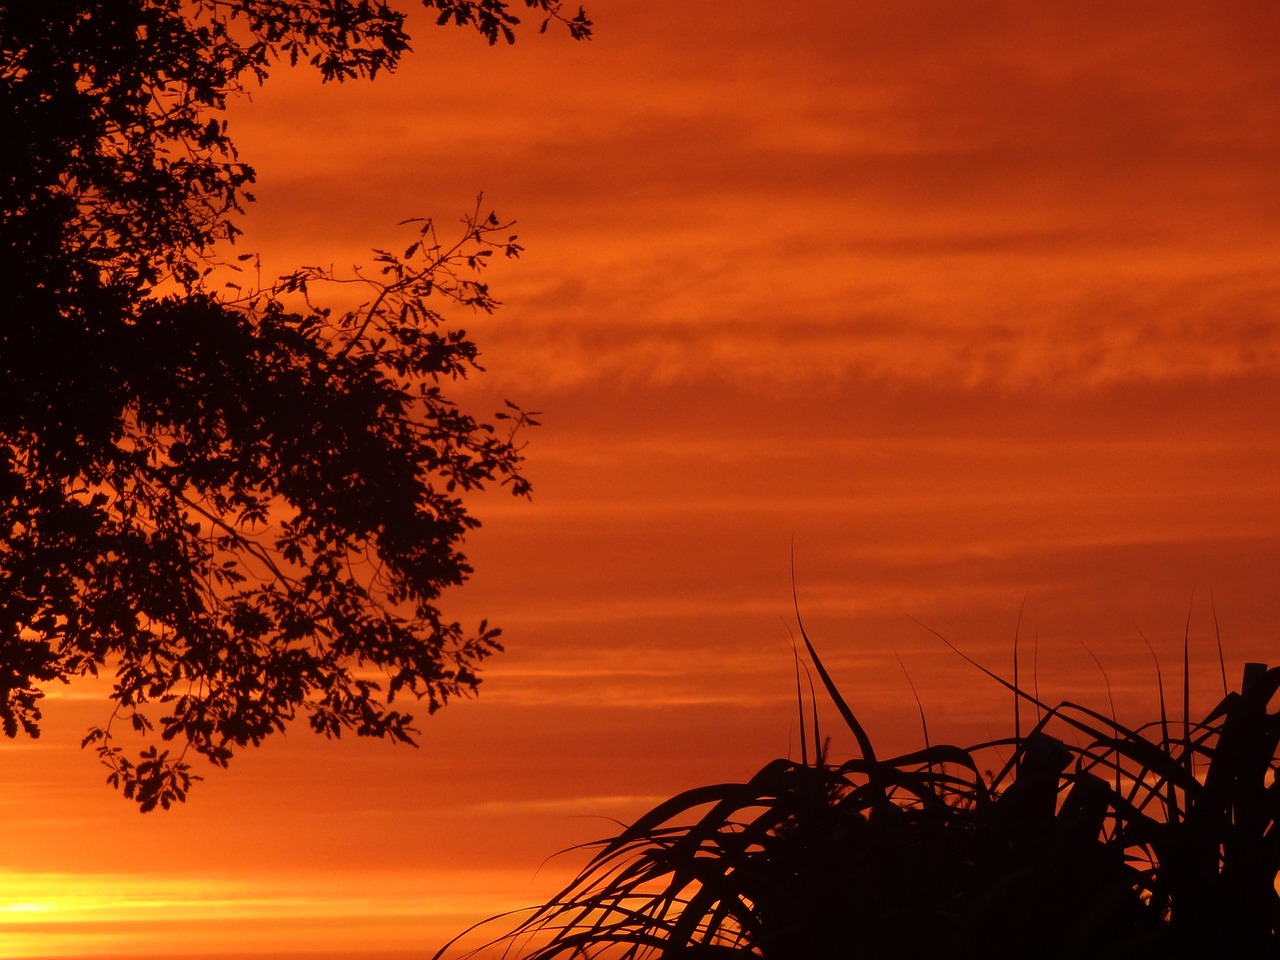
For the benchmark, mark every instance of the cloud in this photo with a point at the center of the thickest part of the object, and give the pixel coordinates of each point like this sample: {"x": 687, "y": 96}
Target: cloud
{"x": 1057, "y": 197}
{"x": 568, "y": 806}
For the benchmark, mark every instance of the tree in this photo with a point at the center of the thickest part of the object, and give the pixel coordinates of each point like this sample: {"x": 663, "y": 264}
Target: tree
{"x": 245, "y": 506}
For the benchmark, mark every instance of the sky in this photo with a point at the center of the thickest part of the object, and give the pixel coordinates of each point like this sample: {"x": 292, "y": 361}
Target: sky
{"x": 926, "y": 319}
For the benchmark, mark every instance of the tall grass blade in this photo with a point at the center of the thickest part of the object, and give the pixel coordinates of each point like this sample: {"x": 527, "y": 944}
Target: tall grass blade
{"x": 1217, "y": 636}
{"x": 864, "y": 741}
{"x": 1017, "y": 699}
{"x": 804, "y": 744}
{"x": 1188, "y": 754}
{"x": 924, "y": 724}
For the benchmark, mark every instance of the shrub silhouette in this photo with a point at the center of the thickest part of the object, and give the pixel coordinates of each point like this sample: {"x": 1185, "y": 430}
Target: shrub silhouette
{"x": 1092, "y": 839}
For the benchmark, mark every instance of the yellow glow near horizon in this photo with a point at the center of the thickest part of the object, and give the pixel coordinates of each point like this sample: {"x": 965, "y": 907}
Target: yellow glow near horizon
{"x": 61, "y": 914}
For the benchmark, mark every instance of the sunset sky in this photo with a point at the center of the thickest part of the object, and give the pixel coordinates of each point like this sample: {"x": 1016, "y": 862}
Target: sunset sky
{"x": 969, "y": 307}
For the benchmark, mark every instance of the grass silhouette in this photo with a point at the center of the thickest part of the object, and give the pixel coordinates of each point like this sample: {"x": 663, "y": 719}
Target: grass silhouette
{"x": 1092, "y": 839}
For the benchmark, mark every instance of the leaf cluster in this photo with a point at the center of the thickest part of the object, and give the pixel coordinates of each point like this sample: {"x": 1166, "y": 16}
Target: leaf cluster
{"x": 257, "y": 518}
{"x": 127, "y": 168}
{"x": 494, "y": 19}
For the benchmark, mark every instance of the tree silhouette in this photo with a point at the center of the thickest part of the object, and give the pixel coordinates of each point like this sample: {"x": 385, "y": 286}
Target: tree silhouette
{"x": 243, "y": 506}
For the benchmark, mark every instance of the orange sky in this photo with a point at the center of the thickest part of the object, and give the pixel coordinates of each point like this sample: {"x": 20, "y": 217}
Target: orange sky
{"x": 973, "y": 303}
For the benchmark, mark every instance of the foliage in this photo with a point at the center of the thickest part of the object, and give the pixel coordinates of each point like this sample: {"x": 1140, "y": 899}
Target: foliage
{"x": 245, "y": 506}
{"x": 128, "y": 172}
{"x": 1095, "y": 841}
